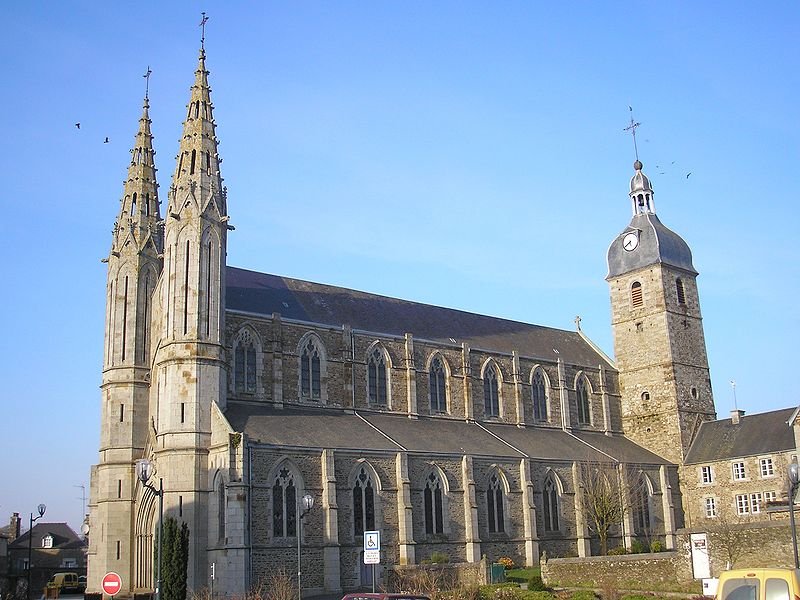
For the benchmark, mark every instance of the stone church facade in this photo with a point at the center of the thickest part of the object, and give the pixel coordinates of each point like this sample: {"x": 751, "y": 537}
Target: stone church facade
{"x": 449, "y": 432}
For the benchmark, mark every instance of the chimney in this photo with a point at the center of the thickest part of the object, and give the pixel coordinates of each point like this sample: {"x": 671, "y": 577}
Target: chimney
{"x": 736, "y": 416}
{"x": 15, "y": 524}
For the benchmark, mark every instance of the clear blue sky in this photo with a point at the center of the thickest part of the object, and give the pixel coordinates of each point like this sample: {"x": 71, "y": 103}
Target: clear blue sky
{"x": 465, "y": 154}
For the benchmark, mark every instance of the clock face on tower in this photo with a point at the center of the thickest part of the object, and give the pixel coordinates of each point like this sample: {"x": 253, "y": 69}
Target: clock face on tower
{"x": 630, "y": 241}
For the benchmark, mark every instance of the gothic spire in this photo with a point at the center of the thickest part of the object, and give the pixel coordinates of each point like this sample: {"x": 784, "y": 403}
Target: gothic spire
{"x": 197, "y": 173}
{"x": 139, "y": 210}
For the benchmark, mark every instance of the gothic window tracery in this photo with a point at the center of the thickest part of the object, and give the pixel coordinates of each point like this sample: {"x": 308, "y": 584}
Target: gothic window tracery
{"x": 491, "y": 401}
{"x": 539, "y": 395}
{"x": 377, "y": 378}
{"x": 494, "y": 503}
{"x": 244, "y": 368}
{"x": 582, "y": 400}
{"x": 641, "y": 505}
{"x": 363, "y": 502}
{"x": 438, "y": 388}
{"x": 551, "y": 504}
{"x": 310, "y": 371}
{"x": 433, "y": 501}
{"x": 284, "y": 505}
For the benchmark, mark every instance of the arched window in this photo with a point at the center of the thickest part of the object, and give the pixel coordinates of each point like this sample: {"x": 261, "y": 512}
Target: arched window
{"x": 376, "y": 374}
{"x": 221, "y": 510}
{"x": 432, "y": 496}
{"x": 437, "y": 386}
{"x": 494, "y": 503}
{"x": 244, "y": 368}
{"x": 491, "y": 402}
{"x": 680, "y": 291}
{"x": 363, "y": 502}
{"x": 539, "y": 395}
{"x": 284, "y": 505}
{"x": 133, "y": 205}
{"x": 641, "y": 505}
{"x": 636, "y": 295}
{"x": 582, "y": 393}
{"x": 310, "y": 378}
{"x": 551, "y": 503}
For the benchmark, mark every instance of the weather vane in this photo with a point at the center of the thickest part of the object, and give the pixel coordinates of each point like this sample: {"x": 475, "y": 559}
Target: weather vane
{"x": 147, "y": 82}
{"x": 203, "y": 31}
{"x": 632, "y": 128}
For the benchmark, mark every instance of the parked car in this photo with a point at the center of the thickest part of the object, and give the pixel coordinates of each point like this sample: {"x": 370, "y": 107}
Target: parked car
{"x": 759, "y": 584}
{"x": 66, "y": 583}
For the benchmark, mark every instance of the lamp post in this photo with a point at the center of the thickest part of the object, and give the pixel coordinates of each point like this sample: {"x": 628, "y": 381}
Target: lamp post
{"x": 307, "y": 502}
{"x": 793, "y": 480}
{"x": 144, "y": 469}
{"x": 41, "y": 508}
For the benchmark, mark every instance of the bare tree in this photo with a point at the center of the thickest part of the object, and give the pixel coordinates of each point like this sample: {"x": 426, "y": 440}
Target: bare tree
{"x": 728, "y": 534}
{"x": 609, "y": 491}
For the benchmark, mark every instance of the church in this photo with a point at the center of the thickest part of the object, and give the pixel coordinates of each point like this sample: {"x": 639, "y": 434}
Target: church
{"x": 451, "y": 433}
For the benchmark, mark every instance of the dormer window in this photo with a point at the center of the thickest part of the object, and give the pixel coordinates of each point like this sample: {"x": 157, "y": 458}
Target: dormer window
{"x": 47, "y": 541}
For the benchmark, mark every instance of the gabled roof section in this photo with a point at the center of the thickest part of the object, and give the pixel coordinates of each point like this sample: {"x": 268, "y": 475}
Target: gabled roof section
{"x": 761, "y": 433}
{"x": 264, "y": 294}
{"x": 359, "y": 431}
{"x": 63, "y": 536}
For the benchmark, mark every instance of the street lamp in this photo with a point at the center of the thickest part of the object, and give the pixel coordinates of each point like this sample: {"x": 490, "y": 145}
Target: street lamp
{"x": 144, "y": 469}
{"x": 793, "y": 480}
{"x": 41, "y": 508}
{"x": 307, "y": 503}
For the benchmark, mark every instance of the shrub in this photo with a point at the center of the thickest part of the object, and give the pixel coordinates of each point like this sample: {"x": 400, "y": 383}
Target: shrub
{"x": 656, "y": 546}
{"x": 638, "y": 547}
{"x": 535, "y": 584}
{"x": 583, "y": 595}
{"x": 439, "y": 558}
{"x": 507, "y": 593}
{"x": 617, "y": 551}
{"x": 506, "y": 562}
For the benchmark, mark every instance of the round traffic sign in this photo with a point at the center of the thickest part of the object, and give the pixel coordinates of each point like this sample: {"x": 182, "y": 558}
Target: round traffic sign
{"x": 111, "y": 584}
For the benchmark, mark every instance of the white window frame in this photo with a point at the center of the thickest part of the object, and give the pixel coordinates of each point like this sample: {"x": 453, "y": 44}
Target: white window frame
{"x": 766, "y": 467}
{"x": 711, "y": 508}
{"x": 770, "y": 496}
{"x": 47, "y": 541}
{"x": 755, "y": 503}
{"x": 738, "y": 470}
{"x": 706, "y": 474}
{"x": 742, "y": 504}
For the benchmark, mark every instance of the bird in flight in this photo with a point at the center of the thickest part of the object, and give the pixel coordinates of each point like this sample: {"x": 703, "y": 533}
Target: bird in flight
{"x": 687, "y": 175}
{"x": 107, "y": 140}
{"x": 78, "y": 125}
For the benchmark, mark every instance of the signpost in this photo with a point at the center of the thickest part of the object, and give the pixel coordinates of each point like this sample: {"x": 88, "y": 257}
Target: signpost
{"x": 372, "y": 551}
{"x": 111, "y": 584}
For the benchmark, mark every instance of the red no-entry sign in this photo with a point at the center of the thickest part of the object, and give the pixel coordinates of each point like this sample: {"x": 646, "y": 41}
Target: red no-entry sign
{"x": 112, "y": 584}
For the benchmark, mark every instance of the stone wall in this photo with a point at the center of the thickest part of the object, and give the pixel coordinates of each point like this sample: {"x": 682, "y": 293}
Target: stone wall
{"x": 648, "y": 572}
{"x": 755, "y": 545}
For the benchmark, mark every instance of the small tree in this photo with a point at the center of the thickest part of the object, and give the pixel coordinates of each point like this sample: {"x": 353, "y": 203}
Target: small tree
{"x": 609, "y": 493}
{"x": 728, "y": 534}
{"x": 175, "y": 559}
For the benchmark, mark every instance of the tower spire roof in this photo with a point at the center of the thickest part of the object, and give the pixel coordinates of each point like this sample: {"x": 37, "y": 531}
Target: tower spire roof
{"x": 139, "y": 208}
{"x": 197, "y": 172}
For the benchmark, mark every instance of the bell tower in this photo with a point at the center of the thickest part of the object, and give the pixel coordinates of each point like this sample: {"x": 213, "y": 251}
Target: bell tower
{"x": 658, "y": 331}
{"x": 190, "y": 370}
{"x": 134, "y": 266}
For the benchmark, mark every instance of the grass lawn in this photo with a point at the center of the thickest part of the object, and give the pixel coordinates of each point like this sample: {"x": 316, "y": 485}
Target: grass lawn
{"x": 522, "y": 575}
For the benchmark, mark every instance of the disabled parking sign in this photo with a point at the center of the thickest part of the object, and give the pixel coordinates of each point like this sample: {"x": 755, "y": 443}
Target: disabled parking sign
{"x": 372, "y": 547}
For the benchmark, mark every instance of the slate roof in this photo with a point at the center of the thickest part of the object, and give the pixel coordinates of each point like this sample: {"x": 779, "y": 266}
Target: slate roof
{"x": 657, "y": 244}
{"x": 368, "y": 431}
{"x": 264, "y": 294}
{"x": 64, "y": 537}
{"x": 760, "y": 433}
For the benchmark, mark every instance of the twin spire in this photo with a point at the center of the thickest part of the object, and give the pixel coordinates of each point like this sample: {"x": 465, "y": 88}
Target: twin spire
{"x": 197, "y": 170}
